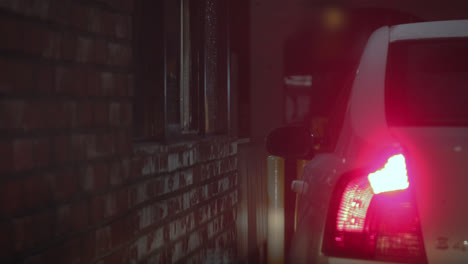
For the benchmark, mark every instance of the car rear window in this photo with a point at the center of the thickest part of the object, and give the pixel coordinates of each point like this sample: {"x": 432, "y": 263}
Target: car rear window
{"x": 427, "y": 83}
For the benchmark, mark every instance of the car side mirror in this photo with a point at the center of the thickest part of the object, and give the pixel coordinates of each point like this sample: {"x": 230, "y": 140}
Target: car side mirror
{"x": 291, "y": 142}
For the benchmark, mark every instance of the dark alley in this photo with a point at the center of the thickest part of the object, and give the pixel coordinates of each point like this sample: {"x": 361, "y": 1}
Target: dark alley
{"x": 233, "y": 131}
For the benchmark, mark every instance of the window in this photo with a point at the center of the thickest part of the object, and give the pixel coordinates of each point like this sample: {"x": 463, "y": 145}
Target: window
{"x": 216, "y": 67}
{"x": 427, "y": 83}
{"x": 187, "y": 91}
{"x": 181, "y": 55}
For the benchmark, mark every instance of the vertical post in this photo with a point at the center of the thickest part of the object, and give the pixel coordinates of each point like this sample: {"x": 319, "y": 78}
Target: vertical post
{"x": 276, "y": 213}
{"x": 282, "y": 207}
{"x": 290, "y": 173}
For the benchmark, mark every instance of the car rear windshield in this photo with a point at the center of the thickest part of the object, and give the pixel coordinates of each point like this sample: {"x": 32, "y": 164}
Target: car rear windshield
{"x": 427, "y": 83}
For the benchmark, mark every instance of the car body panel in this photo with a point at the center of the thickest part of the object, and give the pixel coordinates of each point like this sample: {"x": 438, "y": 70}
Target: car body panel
{"x": 429, "y": 30}
{"x": 441, "y": 191}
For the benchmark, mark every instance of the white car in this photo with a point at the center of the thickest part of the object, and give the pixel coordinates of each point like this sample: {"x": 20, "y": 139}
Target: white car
{"x": 394, "y": 186}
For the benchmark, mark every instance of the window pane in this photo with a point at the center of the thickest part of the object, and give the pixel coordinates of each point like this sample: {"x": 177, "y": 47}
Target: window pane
{"x": 173, "y": 29}
{"x": 186, "y": 66}
{"x": 216, "y": 60}
{"x": 211, "y": 58}
{"x": 427, "y": 83}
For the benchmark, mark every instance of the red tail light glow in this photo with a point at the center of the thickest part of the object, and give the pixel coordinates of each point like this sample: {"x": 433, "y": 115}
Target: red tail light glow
{"x": 353, "y": 207}
{"x": 369, "y": 219}
{"x": 392, "y": 177}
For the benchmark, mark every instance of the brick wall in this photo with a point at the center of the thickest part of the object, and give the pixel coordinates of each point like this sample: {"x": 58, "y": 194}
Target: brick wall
{"x": 74, "y": 188}
{"x": 186, "y": 201}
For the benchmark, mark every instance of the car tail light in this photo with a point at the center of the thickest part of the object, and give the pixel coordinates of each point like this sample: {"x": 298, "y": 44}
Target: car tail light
{"x": 392, "y": 177}
{"x": 374, "y": 216}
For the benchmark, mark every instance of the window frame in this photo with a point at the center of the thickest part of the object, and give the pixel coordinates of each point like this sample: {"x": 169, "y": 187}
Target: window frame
{"x": 157, "y": 122}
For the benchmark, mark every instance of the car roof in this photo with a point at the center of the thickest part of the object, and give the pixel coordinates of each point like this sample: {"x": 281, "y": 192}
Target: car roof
{"x": 429, "y": 30}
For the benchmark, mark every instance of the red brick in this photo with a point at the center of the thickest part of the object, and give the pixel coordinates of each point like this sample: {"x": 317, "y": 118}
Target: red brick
{"x": 12, "y": 28}
{"x": 32, "y": 230}
{"x": 119, "y": 55}
{"x": 22, "y": 153}
{"x": 122, "y": 143}
{"x": 69, "y": 46}
{"x": 61, "y": 151}
{"x": 6, "y": 82}
{"x": 114, "y": 114}
{"x": 22, "y": 77}
{"x": 85, "y": 114}
{"x": 36, "y": 259}
{"x": 87, "y": 178}
{"x": 130, "y": 85}
{"x": 103, "y": 145}
{"x": 163, "y": 162}
{"x": 122, "y": 256}
{"x": 120, "y": 84}
{"x": 85, "y": 49}
{"x": 121, "y": 29}
{"x": 63, "y": 183}
{"x": 11, "y": 197}
{"x": 107, "y": 84}
{"x": 44, "y": 76}
{"x": 96, "y": 209}
{"x": 80, "y": 215}
{"x": 154, "y": 188}
{"x": 34, "y": 34}
{"x": 42, "y": 152}
{"x": 110, "y": 205}
{"x": 7, "y": 239}
{"x": 52, "y": 43}
{"x": 80, "y": 87}
{"x": 91, "y": 151}
{"x": 110, "y": 141}
{"x": 80, "y": 16}
{"x": 63, "y": 221}
{"x": 94, "y": 20}
{"x": 68, "y": 252}
{"x": 43, "y": 9}
{"x": 22, "y": 226}
{"x": 122, "y": 201}
{"x": 43, "y": 226}
{"x": 107, "y": 23}
{"x": 6, "y": 152}
{"x": 136, "y": 166}
{"x": 126, "y": 114}
{"x": 101, "y": 114}
{"x": 103, "y": 240}
{"x": 63, "y": 81}
{"x": 60, "y": 12}
{"x": 127, "y": 5}
{"x": 126, "y": 140}
{"x": 33, "y": 116}
{"x": 69, "y": 112}
{"x": 55, "y": 115}
{"x": 126, "y": 169}
{"x": 34, "y": 8}
{"x": 93, "y": 85}
{"x": 101, "y": 176}
{"x": 72, "y": 252}
{"x": 115, "y": 176}
{"x": 78, "y": 147}
{"x": 100, "y": 51}
{"x": 36, "y": 192}
{"x": 130, "y": 27}
{"x": 88, "y": 246}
